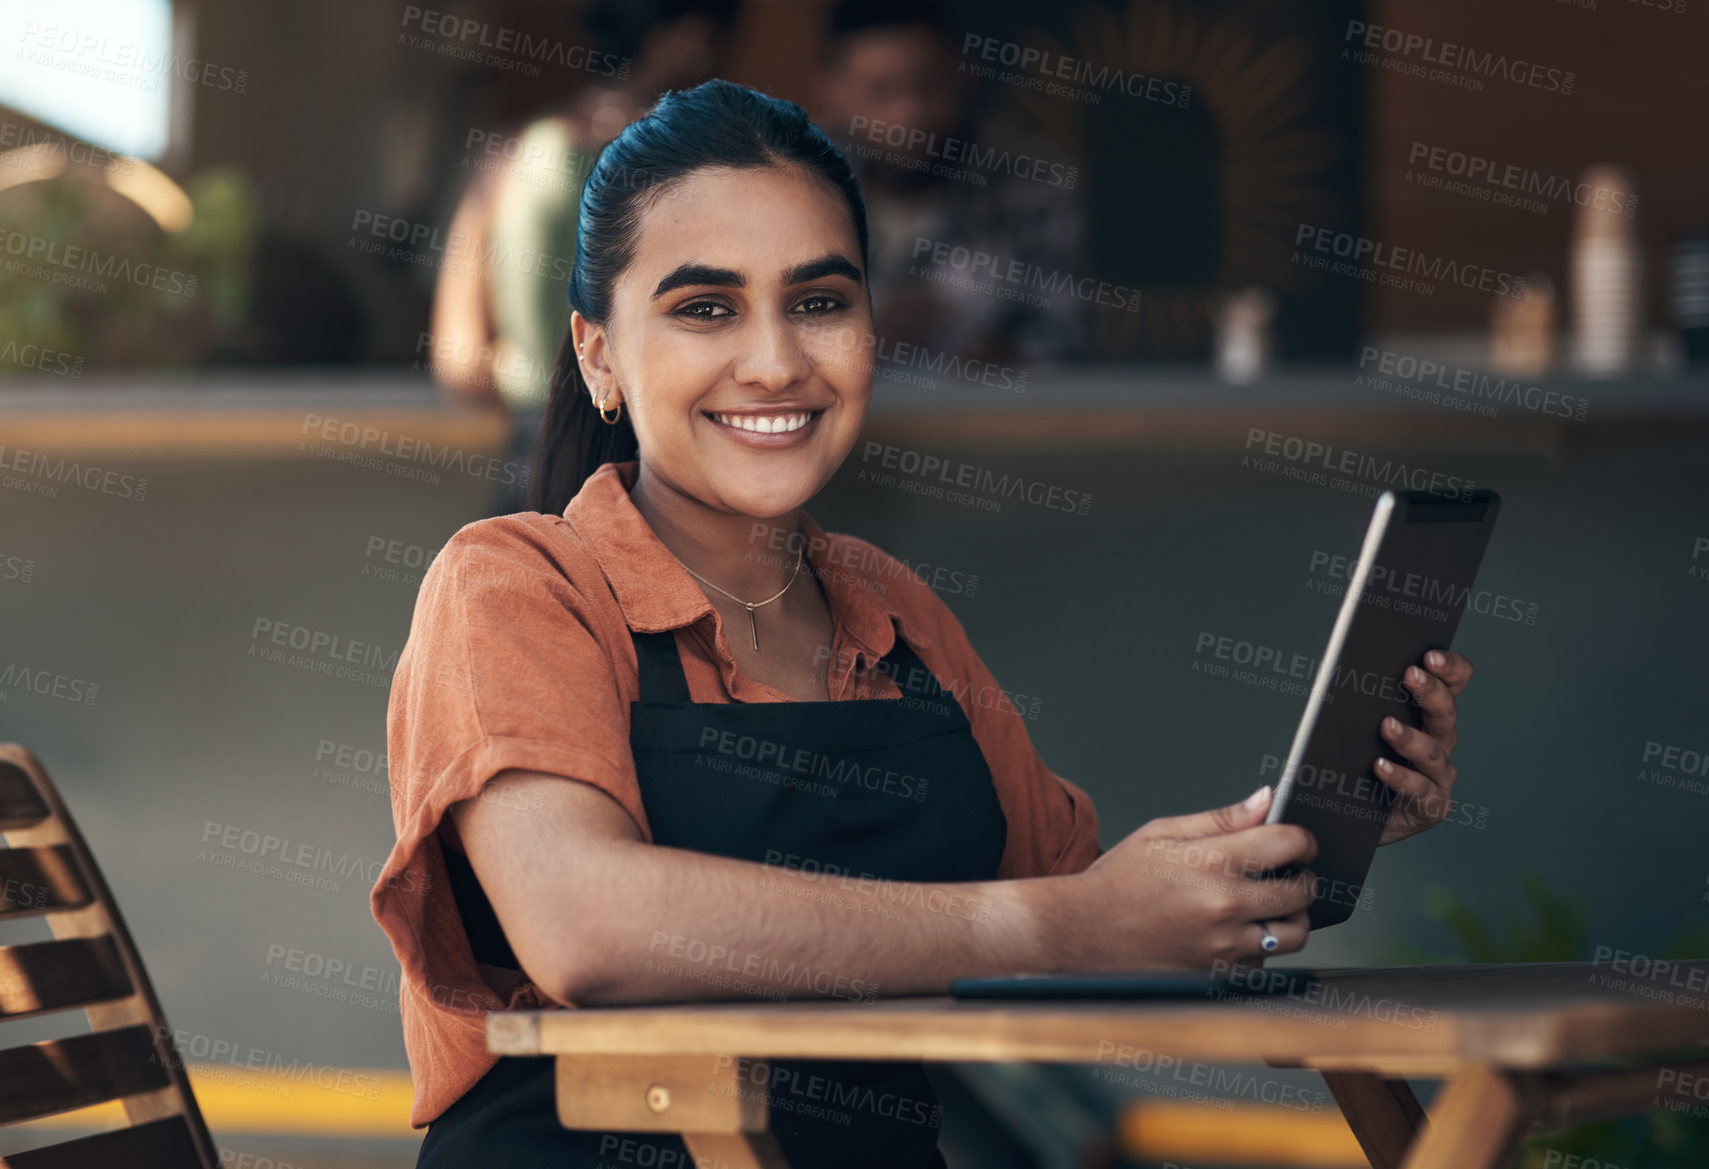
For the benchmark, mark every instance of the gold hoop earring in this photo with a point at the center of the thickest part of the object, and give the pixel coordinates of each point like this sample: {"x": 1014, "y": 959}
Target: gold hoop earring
{"x": 618, "y": 412}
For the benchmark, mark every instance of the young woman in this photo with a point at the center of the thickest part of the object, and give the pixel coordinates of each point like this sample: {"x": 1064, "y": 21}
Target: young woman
{"x": 632, "y": 733}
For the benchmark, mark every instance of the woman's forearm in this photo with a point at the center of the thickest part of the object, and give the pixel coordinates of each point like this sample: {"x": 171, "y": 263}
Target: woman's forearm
{"x": 662, "y": 924}
{"x": 597, "y": 915}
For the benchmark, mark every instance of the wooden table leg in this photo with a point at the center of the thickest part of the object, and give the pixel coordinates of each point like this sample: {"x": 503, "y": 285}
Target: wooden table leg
{"x": 710, "y": 1100}
{"x": 1383, "y": 1113}
{"x": 747, "y": 1150}
{"x": 1479, "y": 1121}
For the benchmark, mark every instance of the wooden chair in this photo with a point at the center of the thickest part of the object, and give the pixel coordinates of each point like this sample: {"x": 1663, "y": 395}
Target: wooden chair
{"x": 46, "y": 871}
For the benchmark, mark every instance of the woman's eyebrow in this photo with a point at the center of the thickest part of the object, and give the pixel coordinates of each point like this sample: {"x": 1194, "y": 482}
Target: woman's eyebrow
{"x": 689, "y": 275}
{"x": 830, "y": 264}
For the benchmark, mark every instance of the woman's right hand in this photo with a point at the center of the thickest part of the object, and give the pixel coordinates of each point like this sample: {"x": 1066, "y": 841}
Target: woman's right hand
{"x": 1179, "y": 894}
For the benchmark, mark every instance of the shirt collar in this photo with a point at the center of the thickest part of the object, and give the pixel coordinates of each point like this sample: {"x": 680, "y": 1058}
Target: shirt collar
{"x": 656, "y": 593}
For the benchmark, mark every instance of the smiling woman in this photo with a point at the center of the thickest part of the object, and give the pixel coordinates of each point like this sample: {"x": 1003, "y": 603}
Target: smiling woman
{"x": 601, "y": 798}
{"x": 734, "y": 365}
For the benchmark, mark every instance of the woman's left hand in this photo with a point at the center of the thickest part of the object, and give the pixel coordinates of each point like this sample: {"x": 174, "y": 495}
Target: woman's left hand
{"x": 1424, "y": 791}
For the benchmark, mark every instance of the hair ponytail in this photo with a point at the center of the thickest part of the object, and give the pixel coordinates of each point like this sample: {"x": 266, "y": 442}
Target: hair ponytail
{"x": 716, "y": 124}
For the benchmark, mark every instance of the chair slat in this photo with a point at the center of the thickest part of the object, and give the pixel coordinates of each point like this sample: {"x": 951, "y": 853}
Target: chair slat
{"x": 159, "y": 1144}
{"x": 50, "y": 871}
{"x": 20, "y": 804}
{"x": 56, "y": 976}
{"x": 57, "y": 1075}
{"x": 40, "y": 880}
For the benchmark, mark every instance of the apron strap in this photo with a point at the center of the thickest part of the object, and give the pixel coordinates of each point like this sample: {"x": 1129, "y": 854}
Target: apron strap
{"x": 660, "y": 665}
{"x": 911, "y": 675}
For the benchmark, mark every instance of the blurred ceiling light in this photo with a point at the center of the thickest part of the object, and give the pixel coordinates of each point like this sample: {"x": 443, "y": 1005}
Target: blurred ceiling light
{"x": 147, "y": 186}
{"x": 30, "y": 164}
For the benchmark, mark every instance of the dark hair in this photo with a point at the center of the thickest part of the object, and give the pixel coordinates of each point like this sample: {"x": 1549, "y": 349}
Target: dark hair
{"x": 849, "y": 17}
{"x": 716, "y": 124}
{"x": 619, "y": 26}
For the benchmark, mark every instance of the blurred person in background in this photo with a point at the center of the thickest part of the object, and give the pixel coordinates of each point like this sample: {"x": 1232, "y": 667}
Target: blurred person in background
{"x": 894, "y": 96}
{"x": 497, "y": 327}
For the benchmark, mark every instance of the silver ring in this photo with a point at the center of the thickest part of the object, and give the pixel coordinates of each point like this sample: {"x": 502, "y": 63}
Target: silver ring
{"x": 1270, "y": 941}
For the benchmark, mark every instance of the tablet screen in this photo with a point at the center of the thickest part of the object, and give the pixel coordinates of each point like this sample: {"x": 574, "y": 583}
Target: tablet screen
{"x": 1405, "y": 593}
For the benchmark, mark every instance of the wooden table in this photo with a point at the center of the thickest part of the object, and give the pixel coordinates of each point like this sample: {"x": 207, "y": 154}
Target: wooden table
{"x": 1555, "y": 1043}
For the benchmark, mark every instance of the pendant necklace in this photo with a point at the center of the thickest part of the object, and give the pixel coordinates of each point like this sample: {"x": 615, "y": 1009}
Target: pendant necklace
{"x": 750, "y": 606}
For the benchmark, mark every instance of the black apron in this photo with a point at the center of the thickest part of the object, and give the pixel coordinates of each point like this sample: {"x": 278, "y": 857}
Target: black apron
{"x": 896, "y": 789}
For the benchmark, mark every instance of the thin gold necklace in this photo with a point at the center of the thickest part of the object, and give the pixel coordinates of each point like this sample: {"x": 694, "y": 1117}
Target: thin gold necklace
{"x": 750, "y": 606}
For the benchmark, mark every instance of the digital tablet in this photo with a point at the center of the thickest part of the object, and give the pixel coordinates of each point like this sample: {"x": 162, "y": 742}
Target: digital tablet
{"x": 1404, "y": 596}
{"x": 1252, "y": 981}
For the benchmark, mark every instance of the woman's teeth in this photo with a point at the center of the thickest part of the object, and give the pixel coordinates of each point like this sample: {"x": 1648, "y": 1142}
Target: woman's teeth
{"x": 766, "y": 423}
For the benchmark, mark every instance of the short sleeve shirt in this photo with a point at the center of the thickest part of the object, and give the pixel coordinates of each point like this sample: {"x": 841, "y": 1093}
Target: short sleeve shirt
{"x": 519, "y": 656}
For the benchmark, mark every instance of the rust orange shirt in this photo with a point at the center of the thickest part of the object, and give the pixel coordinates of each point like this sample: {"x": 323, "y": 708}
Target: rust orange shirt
{"x": 519, "y": 656}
